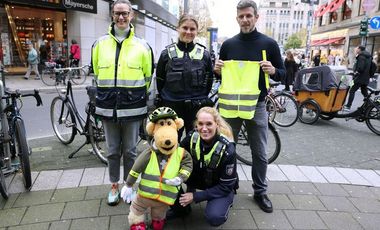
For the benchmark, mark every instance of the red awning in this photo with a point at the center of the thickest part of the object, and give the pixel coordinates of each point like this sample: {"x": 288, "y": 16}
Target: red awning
{"x": 317, "y": 42}
{"x": 332, "y": 41}
{"x": 321, "y": 10}
{"x": 334, "y": 5}
{"x": 317, "y": 13}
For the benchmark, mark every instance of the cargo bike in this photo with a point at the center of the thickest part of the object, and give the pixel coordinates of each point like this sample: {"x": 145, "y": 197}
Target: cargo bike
{"x": 321, "y": 95}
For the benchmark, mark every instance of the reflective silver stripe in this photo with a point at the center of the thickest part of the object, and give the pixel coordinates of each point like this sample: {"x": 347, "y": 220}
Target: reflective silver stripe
{"x": 104, "y": 112}
{"x": 123, "y": 83}
{"x": 150, "y": 177}
{"x": 246, "y": 108}
{"x": 131, "y": 112}
{"x": 238, "y": 96}
{"x": 157, "y": 191}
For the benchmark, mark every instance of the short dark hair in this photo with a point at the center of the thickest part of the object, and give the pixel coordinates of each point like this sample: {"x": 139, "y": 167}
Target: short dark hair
{"x": 362, "y": 48}
{"x": 121, "y": 2}
{"x": 73, "y": 41}
{"x": 247, "y": 3}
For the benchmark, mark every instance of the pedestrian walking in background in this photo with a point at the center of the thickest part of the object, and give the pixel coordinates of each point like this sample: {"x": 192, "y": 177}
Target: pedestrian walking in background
{"x": 214, "y": 178}
{"x": 123, "y": 65}
{"x": 246, "y": 62}
{"x": 184, "y": 74}
{"x": 74, "y": 53}
{"x": 324, "y": 59}
{"x": 338, "y": 59}
{"x": 291, "y": 69}
{"x": 33, "y": 61}
{"x": 346, "y": 60}
{"x": 317, "y": 59}
{"x": 331, "y": 59}
{"x": 361, "y": 74}
{"x": 43, "y": 57}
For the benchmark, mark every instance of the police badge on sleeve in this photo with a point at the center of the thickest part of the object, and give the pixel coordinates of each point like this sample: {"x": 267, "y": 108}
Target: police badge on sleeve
{"x": 229, "y": 169}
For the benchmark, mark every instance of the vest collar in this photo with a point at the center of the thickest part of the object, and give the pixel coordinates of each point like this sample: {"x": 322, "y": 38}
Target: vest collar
{"x": 186, "y": 47}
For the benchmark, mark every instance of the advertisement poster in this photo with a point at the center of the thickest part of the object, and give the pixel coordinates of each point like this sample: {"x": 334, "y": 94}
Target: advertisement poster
{"x": 5, "y": 44}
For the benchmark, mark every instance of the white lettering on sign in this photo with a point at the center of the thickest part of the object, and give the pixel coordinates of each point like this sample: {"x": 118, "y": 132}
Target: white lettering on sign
{"x": 70, "y": 3}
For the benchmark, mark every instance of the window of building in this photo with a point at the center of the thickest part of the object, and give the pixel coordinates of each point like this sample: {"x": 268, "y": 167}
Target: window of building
{"x": 333, "y": 17}
{"x": 347, "y": 9}
{"x": 361, "y": 10}
{"x": 294, "y": 15}
{"x": 280, "y": 12}
{"x": 272, "y": 4}
{"x": 285, "y": 4}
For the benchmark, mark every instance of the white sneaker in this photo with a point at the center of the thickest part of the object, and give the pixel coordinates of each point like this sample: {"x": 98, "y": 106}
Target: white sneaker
{"x": 346, "y": 109}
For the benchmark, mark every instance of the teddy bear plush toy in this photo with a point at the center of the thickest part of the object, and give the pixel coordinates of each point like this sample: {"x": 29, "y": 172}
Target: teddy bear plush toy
{"x": 163, "y": 167}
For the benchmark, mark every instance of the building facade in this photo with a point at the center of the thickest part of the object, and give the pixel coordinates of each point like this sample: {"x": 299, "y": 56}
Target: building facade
{"x": 337, "y": 25}
{"x": 281, "y": 18}
{"x": 56, "y": 22}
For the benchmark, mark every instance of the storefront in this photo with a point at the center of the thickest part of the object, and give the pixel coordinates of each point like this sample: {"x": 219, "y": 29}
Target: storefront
{"x": 43, "y": 23}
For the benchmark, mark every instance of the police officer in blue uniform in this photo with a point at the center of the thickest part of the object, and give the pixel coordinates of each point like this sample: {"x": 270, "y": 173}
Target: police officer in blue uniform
{"x": 214, "y": 178}
{"x": 184, "y": 74}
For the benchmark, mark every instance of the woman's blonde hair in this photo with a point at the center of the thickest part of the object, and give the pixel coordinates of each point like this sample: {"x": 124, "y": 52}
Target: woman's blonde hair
{"x": 185, "y": 17}
{"x": 222, "y": 126}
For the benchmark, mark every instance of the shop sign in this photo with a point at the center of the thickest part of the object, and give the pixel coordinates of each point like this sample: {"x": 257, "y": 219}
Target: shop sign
{"x": 80, "y": 5}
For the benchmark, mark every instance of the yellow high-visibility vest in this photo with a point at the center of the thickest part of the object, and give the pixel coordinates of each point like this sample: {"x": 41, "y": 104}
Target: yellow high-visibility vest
{"x": 152, "y": 183}
{"x": 239, "y": 90}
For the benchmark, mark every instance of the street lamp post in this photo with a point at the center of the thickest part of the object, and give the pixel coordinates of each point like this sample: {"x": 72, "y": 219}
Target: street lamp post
{"x": 309, "y": 25}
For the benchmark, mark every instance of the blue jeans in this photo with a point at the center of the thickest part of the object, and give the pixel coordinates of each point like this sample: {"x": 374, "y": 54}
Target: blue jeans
{"x": 121, "y": 138}
{"x": 257, "y": 130}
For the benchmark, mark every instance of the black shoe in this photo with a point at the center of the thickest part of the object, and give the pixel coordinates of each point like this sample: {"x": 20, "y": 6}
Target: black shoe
{"x": 263, "y": 202}
{"x": 174, "y": 213}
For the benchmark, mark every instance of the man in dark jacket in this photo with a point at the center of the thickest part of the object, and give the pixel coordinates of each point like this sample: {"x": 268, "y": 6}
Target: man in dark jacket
{"x": 361, "y": 74}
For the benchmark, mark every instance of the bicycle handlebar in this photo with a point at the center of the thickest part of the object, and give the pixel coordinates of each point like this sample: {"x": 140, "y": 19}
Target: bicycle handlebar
{"x": 18, "y": 94}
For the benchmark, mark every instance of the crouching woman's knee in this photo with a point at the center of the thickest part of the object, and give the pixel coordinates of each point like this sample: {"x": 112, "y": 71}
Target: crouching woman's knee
{"x": 215, "y": 219}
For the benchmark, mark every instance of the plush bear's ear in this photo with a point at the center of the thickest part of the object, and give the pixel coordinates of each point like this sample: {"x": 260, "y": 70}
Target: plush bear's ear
{"x": 150, "y": 128}
{"x": 179, "y": 122}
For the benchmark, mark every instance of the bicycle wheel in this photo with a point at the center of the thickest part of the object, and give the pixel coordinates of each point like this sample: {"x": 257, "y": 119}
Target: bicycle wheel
{"x": 98, "y": 139}
{"x": 22, "y": 151}
{"x": 273, "y": 145}
{"x": 78, "y": 76}
{"x": 309, "y": 112}
{"x": 3, "y": 185}
{"x": 287, "y": 110}
{"x": 372, "y": 115}
{"x": 48, "y": 77}
{"x": 271, "y": 107}
{"x": 63, "y": 120}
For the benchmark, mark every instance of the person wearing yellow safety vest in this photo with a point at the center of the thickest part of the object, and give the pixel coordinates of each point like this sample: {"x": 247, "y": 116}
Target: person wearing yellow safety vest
{"x": 214, "y": 168}
{"x": 185, "y": 73}
{"x": 123, "y": 65}
{"x": 246, "y": 62}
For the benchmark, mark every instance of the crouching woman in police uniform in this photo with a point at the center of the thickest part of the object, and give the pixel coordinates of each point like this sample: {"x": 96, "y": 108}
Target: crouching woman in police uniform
{"x": 214, "y": 178}
{"x": 184, "y": 74}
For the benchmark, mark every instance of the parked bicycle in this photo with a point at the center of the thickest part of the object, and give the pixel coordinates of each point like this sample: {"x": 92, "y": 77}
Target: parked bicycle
{"x": 13, "y": 141}
{"x": 281, "y": 106}
{"x": 67, "y": 122}
{"x": 53, "y": 74}
{"x": 244, "y": 154}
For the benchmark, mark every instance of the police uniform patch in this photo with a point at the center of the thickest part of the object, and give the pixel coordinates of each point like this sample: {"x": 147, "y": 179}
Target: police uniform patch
{"x": 229, "y": 169}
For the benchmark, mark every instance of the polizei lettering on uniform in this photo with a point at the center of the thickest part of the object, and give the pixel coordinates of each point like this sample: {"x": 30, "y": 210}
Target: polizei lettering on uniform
{"x": 69, "y": 3}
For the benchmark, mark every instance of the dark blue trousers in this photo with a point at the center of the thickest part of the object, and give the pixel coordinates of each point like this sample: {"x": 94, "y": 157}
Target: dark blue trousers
{"x": 216, "y": 212}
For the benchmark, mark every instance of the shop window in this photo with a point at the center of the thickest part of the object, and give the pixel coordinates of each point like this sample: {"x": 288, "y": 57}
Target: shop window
{"x": 347, "y": 9}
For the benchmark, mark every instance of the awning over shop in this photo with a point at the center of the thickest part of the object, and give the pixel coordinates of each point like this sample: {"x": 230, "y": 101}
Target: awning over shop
{"x": 325, "y": 42}
{"x": 332, "y": 41}
{"x": 334, "y": 5}
{"x": 321, "y": 8}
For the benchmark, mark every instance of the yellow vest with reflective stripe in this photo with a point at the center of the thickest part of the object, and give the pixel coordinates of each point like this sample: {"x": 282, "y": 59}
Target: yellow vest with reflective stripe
{"x": 195, "y": 138}
{"x": 239, "y": 90}
{"x": 152, "y": 183}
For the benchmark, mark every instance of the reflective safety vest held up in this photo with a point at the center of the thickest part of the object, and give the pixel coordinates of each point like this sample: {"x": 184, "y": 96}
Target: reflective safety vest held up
{"x": 152, "y": 184}
{"x": 239, "y": 90}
